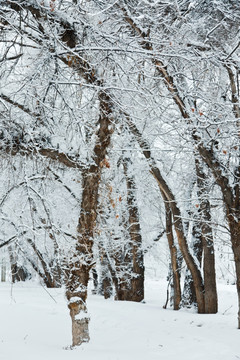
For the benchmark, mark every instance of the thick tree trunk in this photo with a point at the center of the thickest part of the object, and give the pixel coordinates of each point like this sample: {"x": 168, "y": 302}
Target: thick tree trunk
{"x": 77, "y": 295}
{"x": 82, "y": 260}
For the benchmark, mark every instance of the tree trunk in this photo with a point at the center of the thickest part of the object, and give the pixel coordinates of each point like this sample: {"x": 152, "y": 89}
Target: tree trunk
{"x": 235, "y": 239}
{"x": 137, "y": 282}
{"x": 123, "y": 277}
{"x": 3, "y": 270}
{"x": 95, "y": 281}
{"x": 189, "y": 294}
{"x": 106, "y": 288}
{"x": 77, "y": 295}
{"x": 174, "y": 257}
{"x": 82, "y": 260}
{"x": 211, "y": 299}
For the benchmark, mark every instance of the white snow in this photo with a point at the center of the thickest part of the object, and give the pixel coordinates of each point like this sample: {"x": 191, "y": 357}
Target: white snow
{"x": 34, "y": 326}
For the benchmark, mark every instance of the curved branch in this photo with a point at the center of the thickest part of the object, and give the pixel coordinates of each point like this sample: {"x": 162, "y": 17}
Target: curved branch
{"x": 52, "y": 154}
{"x": 19, "y": 106}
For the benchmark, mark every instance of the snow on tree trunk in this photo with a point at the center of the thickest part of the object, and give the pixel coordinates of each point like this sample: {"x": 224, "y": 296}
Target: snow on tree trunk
{"x": 77, "y": 295}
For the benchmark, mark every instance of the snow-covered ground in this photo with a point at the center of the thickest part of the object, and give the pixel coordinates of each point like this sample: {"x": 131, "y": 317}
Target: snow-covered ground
{"x": 35, "y": 325}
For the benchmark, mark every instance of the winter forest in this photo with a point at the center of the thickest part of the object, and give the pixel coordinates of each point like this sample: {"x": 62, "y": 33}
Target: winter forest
{"x": 120, "y": 150}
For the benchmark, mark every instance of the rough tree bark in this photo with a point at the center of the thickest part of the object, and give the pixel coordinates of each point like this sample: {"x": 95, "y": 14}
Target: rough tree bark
{"x": 82, "y": 260}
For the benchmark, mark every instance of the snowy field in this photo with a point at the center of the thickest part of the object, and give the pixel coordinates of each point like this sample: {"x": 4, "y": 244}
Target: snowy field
{"x": 35, "y": 325}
